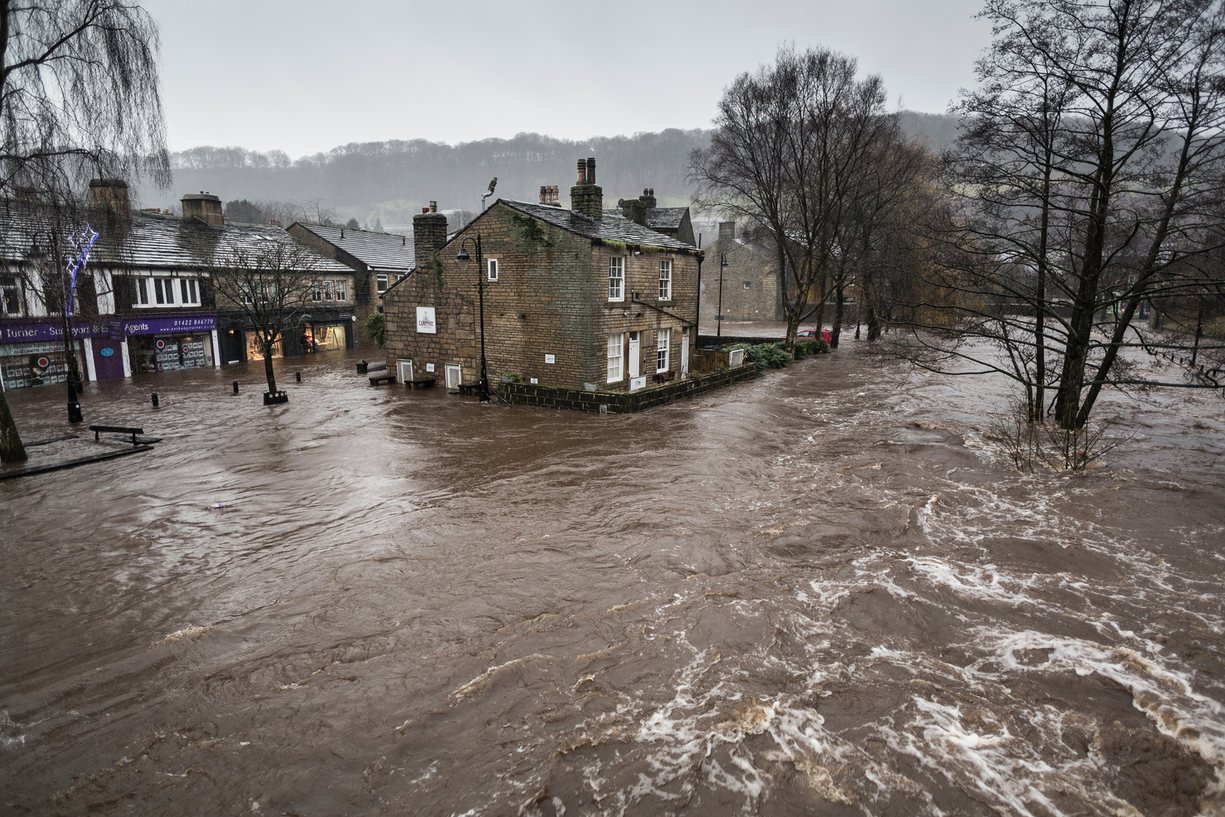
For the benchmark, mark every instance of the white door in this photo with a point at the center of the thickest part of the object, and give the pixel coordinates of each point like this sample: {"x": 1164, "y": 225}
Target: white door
{"x": 684, "y": 353}
{"x": 635, "y": 356}
{"x": 404, "y": 371}
{"x": 454, "y": 376}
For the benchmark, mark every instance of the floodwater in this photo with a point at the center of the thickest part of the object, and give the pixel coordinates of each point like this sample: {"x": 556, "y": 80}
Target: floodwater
{"x": 820, "y": 592}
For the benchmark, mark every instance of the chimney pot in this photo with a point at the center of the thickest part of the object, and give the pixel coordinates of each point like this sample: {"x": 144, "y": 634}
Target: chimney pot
{"x": 582, "y": 173}
{"x": 433, "y": 207}
{"x": 591, "y": 170}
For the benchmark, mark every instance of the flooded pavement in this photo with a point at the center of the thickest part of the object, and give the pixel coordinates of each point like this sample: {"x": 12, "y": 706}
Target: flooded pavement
{"x": 820, "y": 592}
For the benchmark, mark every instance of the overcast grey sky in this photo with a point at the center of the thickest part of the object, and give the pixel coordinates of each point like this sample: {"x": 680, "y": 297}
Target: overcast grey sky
{"x": 304, "y": 76}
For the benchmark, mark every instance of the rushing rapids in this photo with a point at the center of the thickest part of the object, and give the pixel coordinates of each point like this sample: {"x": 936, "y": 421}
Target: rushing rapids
{"x": 821, "y": 592}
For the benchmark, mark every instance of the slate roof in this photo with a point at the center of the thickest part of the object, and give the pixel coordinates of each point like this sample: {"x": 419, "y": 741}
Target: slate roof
{"x": 658, "y": 218}
{"x": 610, "y": 228}
{"x": 666, "y": 218}
{"x": 153, "y": 241}
{"x": 388, "y": 251}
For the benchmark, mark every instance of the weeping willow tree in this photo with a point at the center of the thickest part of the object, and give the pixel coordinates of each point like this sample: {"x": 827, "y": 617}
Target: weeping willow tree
{"x": 79, "y": 98}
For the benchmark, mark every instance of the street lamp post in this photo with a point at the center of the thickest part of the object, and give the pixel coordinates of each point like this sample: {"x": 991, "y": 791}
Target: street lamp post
{"x": 70, "y": 361}
{"x": 483, "y": 386}
{"x": 719, "y": 313}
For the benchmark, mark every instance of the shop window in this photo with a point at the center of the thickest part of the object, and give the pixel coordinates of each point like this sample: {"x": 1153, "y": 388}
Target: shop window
{"x": 10, "y": 295}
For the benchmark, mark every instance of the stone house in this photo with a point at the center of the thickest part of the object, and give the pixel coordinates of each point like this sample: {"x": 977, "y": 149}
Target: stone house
{"x": 742, "y": 277}
{"x": 579, "y": 299}
{"x": 377, "y": 259}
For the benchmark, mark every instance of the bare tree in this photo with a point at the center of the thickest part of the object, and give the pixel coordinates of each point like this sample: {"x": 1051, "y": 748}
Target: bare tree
{"x": 79, "y": 97}
{"x": 1086, "y": 179}
{"x": 790, "y": 149}
{"x": 271, "y": 282}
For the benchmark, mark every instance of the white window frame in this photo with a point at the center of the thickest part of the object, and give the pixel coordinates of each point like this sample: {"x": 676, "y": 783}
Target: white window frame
{"x": 616, "y": 278}
{"x": 616, "y": 357}
{"x": 663, "y": 344}
{"x": 491, "y": 267}
{"x": 11, "y": 284}
{"x": 665, "y": 279}
{"x": 381, "y": 281}
{"x": 342, "y": 293}
{"x": 163, "y": 291}
{"x": 166, "y": 291}
{"x": 189, "y": 292}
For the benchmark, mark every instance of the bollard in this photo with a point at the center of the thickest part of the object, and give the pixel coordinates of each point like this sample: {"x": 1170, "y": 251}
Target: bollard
{"x": 297, "y": 376}
{"x": 154, "y": 400}
{"x": 236, "y": 387}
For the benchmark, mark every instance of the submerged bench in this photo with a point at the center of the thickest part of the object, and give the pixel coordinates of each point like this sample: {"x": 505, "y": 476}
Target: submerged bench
{"x": 125, "y": 430}
{"x": 421, "y": 383}
{"x": 380, "y": 379}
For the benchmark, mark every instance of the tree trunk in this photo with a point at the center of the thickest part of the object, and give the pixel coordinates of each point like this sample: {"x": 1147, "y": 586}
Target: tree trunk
{"x": 873, "y": 321}
{"x": 11, "y": 448}
{"x": 839, "y": 299}
{"x": 268, "y": 373}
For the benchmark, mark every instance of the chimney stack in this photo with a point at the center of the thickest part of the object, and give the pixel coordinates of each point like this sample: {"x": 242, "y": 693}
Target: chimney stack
{"x": 727, "y": 234}
{"x": 648, "y": 198}
{"x": 634, "y": 210}
{"x": 110, "y": 195}
{"x": 203, "y": 207}
{"x": 429, "y": 233}
{"x": 549, "y": 195}
{"x": 586, "y": 197}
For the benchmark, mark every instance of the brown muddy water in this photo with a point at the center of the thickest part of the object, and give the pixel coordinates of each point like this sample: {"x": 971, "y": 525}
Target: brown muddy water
{"x": 821, "y": 592}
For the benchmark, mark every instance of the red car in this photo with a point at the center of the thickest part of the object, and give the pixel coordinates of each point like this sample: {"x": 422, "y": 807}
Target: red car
{"x": 811, "y": 334}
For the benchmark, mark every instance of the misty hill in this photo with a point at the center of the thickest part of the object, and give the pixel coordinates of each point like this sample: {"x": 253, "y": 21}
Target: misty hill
{"x": 390, "y": 181}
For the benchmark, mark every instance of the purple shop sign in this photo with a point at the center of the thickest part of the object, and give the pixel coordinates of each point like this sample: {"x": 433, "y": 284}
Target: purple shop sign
{"x": 113, "y": 328}
{"x": 169, "y": 325}
{"x": 35, "y": 332}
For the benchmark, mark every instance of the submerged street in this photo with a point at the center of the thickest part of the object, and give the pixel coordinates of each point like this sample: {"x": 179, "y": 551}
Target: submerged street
{"x": 822, "y": 591}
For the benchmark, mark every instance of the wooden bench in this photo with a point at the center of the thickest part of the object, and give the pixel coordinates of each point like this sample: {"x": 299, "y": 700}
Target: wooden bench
{"x": 421, "y": 383}
{"x": 126, "y": 430}
{"x": 380, "y": 379}
{"x": 468, "y": 389}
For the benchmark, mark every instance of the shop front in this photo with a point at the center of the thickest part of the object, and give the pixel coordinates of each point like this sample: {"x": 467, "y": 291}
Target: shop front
{"x": 169, "y": 343}
{"x": 32, "y": 352}
{"x": 324, "y": 337}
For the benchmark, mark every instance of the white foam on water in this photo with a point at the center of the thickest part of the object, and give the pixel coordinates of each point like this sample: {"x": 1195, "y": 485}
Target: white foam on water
{"x": 976, "y": 581}
{"x": 979, "y": 754}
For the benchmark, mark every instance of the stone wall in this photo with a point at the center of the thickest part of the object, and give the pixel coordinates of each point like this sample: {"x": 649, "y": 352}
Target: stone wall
{"x": 623, "y": 402}
{"x": 750, "y": 281}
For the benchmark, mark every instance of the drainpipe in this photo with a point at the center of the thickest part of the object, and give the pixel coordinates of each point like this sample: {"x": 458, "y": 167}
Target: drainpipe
{"x": 697, "y": 306}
